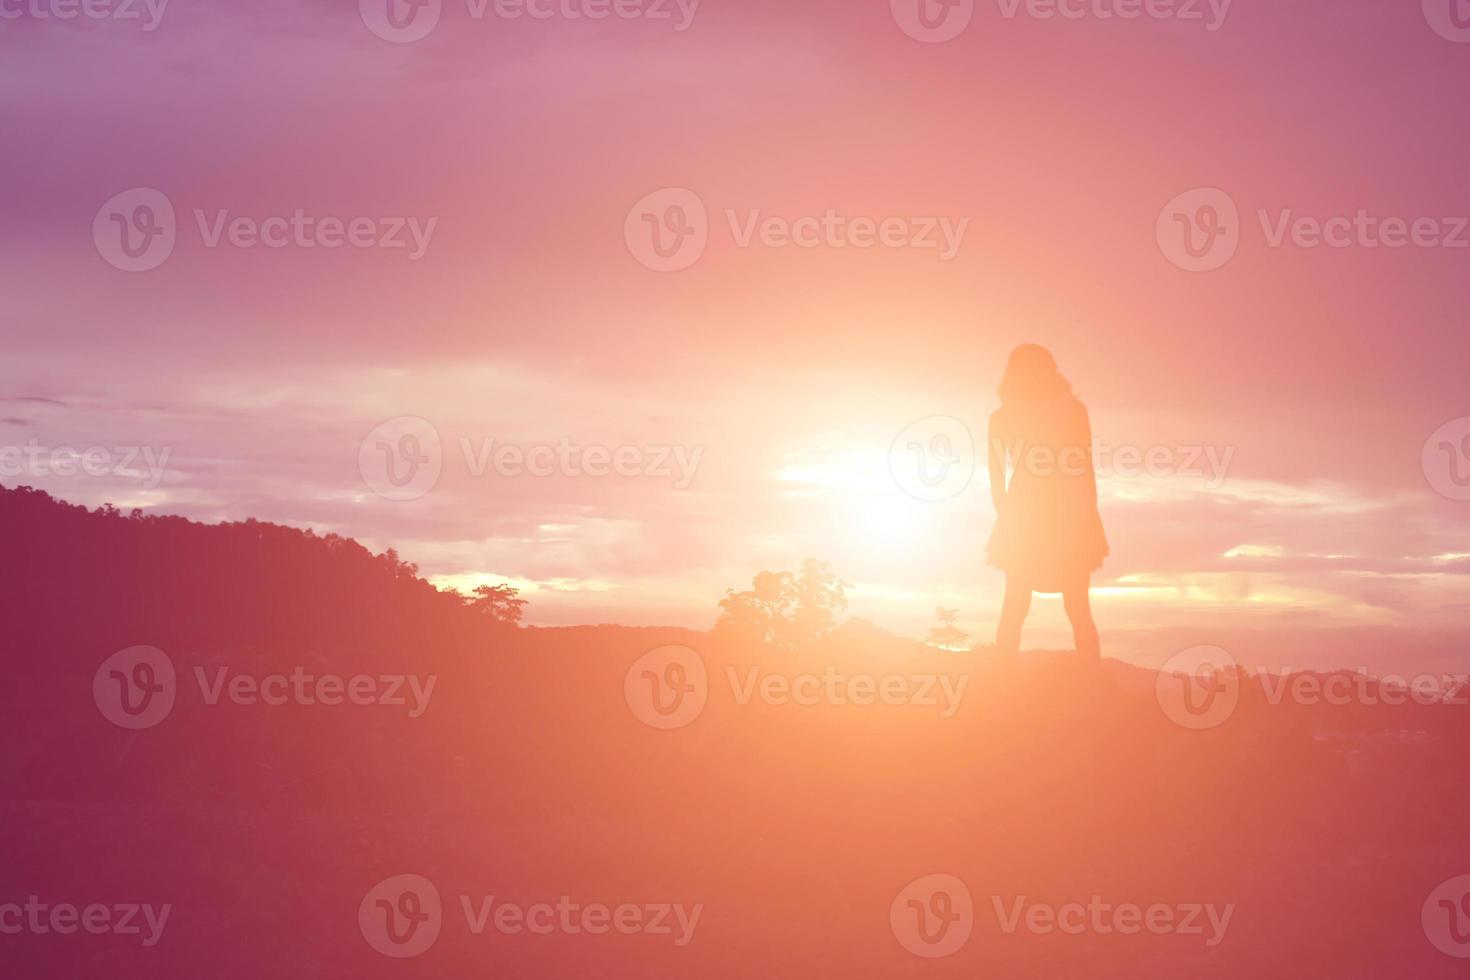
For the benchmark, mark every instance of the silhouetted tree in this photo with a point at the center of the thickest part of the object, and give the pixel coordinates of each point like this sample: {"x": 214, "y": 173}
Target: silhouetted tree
{"x": 947, "y": 636}
{"x": 784, "y": 609}
{"x": 499, "y": 602}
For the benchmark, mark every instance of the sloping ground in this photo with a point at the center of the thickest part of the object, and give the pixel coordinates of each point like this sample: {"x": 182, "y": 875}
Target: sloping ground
{"x": 532, "y": 772}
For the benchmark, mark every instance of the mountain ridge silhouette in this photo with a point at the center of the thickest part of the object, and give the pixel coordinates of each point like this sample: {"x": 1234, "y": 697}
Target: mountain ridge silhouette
{"x": 529, "y": 775}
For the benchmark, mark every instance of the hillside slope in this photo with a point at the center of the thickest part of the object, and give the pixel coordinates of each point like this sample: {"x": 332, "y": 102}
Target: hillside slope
{"x": 793, "y": 807}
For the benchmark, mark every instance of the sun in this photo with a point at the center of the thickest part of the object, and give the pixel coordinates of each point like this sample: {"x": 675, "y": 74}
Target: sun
{"x": 885, "y": 520}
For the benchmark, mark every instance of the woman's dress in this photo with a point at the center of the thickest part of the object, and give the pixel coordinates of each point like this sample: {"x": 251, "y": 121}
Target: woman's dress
{"x": 1048, "y": 533}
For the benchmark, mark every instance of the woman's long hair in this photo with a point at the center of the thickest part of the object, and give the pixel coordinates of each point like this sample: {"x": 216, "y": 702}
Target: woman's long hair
{"x": 1032, "y": 378}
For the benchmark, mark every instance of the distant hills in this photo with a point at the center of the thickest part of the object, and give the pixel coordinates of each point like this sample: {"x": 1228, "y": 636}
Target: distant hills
{"x": 804, "y": 793}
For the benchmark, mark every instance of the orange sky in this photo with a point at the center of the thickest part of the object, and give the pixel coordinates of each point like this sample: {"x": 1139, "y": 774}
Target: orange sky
{"x": 1054, "y": 144}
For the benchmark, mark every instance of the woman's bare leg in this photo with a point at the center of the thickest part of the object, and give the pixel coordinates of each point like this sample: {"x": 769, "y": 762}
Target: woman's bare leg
{"x": 1084, "y": 630}
{"x": 1013, "y": 610}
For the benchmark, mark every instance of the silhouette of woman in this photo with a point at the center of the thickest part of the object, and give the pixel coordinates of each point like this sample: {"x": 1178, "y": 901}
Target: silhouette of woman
{"x": 1048, "y": 534}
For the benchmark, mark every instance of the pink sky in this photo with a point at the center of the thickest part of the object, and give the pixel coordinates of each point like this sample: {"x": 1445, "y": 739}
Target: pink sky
{"x": 791, "y": 370}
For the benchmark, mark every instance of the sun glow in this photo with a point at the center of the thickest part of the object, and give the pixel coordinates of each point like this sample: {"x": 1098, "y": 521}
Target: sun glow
{"x": 885, "y": 521}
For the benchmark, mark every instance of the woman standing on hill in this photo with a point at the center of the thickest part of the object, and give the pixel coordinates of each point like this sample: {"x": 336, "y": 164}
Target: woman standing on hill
{"x": 1048, "y": 534}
